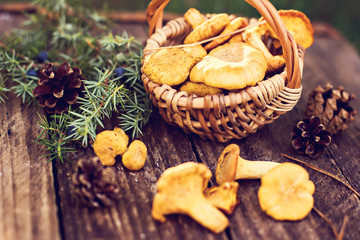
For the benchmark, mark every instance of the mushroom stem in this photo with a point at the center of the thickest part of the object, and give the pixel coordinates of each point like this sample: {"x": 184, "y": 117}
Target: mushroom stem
{"x": 274, "y": 62}
{"x": 208, "y": 216}
{"x": 232, "y": 167}
{"x": 247, "y": 169}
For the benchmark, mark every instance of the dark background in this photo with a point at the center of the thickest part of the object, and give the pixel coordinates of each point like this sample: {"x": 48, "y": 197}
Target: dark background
{"x": 344, "y": 15}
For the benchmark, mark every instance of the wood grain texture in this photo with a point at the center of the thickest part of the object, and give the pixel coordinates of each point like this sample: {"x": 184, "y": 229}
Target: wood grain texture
{"x": 27, "y": 195}
{"x": 169, "y": 146}
{"x": 328, "y": 60}
{"x": 28, "y": 209}
{"x": 130, "y": 216}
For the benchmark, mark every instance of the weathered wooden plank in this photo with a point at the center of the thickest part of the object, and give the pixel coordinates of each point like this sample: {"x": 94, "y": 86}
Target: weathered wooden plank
{"x": 130, "y": 216}
{"x": 27, "y": 195}
{"x": 329, "y": 60}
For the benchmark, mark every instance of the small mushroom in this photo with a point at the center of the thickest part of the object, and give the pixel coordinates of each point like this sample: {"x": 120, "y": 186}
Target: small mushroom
{"x": 197, "y": 51}
{"x": 231, "y": 166}
{"x": 224, "y": 197}
{"x": 286, "y": 192}
{"x": 108, "y": 144}
{"x": 253, "y": 37}
{"x": 208, "y": 29}
{"x": 194, "y": 17}
{"x": 297, "y": 23}
{"x": 230, "y": 66}
{"x": 199, "y": 89}
{"x": 236, "y": 38}
{"x": 235, "y": 24}
{"x": 135, "y": 156}
{"x": 180, "y": 190}
{"x": 169, "y": 66}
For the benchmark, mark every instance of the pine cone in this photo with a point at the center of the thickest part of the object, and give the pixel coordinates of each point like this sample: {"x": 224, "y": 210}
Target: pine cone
{"x": 94, "y": 184}
{"x": 310, "y": 137}
{"x": 332, "y": 107}
{"x": 57, "y": 89}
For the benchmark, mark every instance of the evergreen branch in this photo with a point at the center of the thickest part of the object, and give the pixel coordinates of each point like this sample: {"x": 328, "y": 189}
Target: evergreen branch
{"x": 25, "y": 84}
{"x": 3, "y": 89}
{"x": 54, "y": 136}
{"x": 110, "y": 43}
{"x": 74, "y": 34}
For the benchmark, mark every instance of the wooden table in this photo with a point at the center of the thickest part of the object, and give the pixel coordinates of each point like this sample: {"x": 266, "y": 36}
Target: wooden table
{"x": 36, "y": 200}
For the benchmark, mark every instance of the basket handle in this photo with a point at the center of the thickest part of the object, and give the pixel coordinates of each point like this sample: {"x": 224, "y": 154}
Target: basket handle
{"x": 154, "y": 16}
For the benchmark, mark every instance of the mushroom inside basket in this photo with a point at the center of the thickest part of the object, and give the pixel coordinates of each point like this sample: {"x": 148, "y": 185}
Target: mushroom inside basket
{"x": 222, "y": 76}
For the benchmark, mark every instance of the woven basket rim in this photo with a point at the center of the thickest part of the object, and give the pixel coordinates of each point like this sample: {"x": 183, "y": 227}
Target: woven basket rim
{"x": 236, "y": 114}
{"x": 198, "y": 101}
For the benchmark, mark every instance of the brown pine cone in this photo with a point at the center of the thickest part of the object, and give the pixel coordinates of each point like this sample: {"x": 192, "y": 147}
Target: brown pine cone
{"x": 332, "y": 107}
{"x": 58, "y": 88}
{"x": 310, "y": 137}
{"x": 94, "y": 184}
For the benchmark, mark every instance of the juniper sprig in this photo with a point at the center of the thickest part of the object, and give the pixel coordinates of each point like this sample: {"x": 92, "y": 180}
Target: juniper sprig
{"x": 64, "y": 32}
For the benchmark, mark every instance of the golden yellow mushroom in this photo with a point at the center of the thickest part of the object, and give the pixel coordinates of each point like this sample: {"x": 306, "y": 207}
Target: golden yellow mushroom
{"x": 231, "y": 166}
{"x": 169, "y": 66}
{"x": 135, "y": 156}
{"x": 252, "y": 36}
{"x": 236, "y": 38}
{"x": 194, "y": 17}
{"x": 108, "y": 144}
{"x": 230, "y": 66}
{"x": 199, "y": 89}
{"x": 298, "y": 25}
{"x": 286, "y": 192}
{"x": 180, "y": 190}
{"x": 235, "y": 24}
{"x": 224, "y": 196}
{"x": 208, "y": 29}
{"x": 197, "y": 51}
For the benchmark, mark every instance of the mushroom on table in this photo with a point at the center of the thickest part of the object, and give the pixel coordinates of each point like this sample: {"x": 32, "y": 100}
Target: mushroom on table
{"x": 231, "y": 166}
{"x": 180, "y": 190}
{"x": 286, "y": 192}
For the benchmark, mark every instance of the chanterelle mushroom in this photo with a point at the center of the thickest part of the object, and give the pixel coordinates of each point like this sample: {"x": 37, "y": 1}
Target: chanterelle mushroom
{"x": 199, "y": 89}
{"x": 194, "y": 17}
{"x": 235, "y": 24}
{"x": 208, "y": 29}
{"x": 108, "y": 144}
{"x": 286, "y": 192}
{"x": 230, "y": 66}
{"x": 224, "y": 196}
{"x": 232, "y": 167}
{"x": 169, "y": 66}
{"x": 297, "y": 23}
{"x": 253, "y": 37}
{"x": 180, "y": 190}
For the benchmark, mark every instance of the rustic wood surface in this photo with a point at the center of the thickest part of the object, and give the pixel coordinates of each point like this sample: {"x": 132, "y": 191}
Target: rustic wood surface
{"x": 37, "y": 201}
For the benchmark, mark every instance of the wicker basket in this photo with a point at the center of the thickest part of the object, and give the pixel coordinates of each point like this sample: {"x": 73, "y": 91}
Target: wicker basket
{"x": 236, "y": 114}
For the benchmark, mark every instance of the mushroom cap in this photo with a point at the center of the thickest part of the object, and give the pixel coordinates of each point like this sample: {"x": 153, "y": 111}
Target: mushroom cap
{"x": 199, "y": 89}
{"x": 187, "y": 176}
{"x": 197, "y": 51}
{"x": 227, "y": 164}
{"x": 108, "y": 144}
{"x": 180, "y": 190}
{"x": 208, "y": 29}
{"x": 169, "y": 66}
{"x": 224, "y": 196}
{"x": 235, "y": 24}
{"x": 286, "y": 192}
{"x": 230, "y": 66}
{"x": 298, "y": 25}
{"x": 194, "y": 17}
{"x": 135, "y": 156}
{"x": 236, "y": 38}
